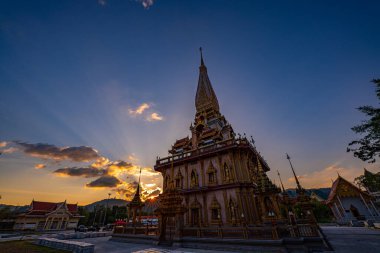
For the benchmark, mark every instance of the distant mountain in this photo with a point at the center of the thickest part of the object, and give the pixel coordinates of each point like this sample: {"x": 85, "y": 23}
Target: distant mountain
{"x": 103, "y": 202}
{"x": 15, "y": 209}
{"x": 323, "y": 193}
{"x": 149, "y": 207}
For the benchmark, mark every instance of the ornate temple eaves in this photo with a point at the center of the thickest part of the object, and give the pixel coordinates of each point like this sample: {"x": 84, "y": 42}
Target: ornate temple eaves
{"x": 209, "y": 151}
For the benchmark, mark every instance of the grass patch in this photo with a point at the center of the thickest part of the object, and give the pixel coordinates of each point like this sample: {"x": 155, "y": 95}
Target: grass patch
{"x": 26, "y": 247}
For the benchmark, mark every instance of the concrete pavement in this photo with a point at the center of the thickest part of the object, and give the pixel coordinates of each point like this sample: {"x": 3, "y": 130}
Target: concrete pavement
{"x": 353, "y": 239}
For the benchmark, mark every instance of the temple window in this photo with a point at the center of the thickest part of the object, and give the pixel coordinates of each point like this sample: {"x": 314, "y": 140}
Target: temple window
{"x": 195, "y": 213}
{"x": 211, "y": 178}
{"x": 194, "y": 179}
{"x": 215, "y": 211}
{"x": 211, "y": 171}
{"x": 215, "y": 214}
{"x": 179, "y": 180}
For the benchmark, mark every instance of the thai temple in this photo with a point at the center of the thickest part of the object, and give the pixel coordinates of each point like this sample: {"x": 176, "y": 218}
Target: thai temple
{"x": 351, "y": 205}
{"x": 215, "y": 187}
{"x": 42, "y": 216}
{"x": 221, "y": 176}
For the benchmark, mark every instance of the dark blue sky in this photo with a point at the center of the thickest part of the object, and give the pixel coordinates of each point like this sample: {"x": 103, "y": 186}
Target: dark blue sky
{"x": 290, "y": 73}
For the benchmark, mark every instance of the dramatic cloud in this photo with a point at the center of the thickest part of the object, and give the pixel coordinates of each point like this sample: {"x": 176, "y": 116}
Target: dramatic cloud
{"x": 152, "y": 194}
{"x": 40, "y": 166}
{"x": 154, "y": 117}
{"x": 139, "y": 110}
{"x": 146, "y": 3}
{"x": 100, "y": 162}
{"x": 47, "y": 151}
{"x": 3, "y": 144}
{"x": 126, "y": 190}
{"x": 105, "y": 181}
{"x": 81, "y": 172}
{"x": 324, "y": 177}
{"x": 132, "y": 157}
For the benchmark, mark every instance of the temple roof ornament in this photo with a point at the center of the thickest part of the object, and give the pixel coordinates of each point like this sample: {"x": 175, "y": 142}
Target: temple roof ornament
{"x": 299, "y": 187}
{"x": 205, "y": 97}
{"x": 136, "y": 201}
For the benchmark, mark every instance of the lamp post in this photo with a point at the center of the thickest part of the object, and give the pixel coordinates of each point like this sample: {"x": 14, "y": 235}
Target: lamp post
{"x": 105, "y": 213}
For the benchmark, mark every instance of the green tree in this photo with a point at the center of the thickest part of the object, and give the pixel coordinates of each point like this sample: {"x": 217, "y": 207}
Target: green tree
{"x": 368, "y": 147}
{"x": 369, "y": 181}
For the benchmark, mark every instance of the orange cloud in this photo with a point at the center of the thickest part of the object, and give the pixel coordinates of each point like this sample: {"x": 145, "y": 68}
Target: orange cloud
{"x": 154, "y": 117}
{"x": 323, "y": 178}
{"x": 40, "y": 166}
{"x": 100, "y": 162}
{"x": 3, "y": 144}
{"x": 139, "y": 110}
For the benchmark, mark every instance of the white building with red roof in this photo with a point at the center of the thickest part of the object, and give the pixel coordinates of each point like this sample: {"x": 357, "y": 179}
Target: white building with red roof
{"x": 48, "y": 216}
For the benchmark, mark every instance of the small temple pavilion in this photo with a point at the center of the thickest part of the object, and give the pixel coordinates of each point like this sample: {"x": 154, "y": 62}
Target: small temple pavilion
{"x": 135, "y": 206}
{"x": 43, "y": 216}
{"x": 350, "y": 204}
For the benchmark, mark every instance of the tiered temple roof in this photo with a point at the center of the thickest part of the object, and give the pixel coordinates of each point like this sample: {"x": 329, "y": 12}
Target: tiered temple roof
{"x": 40, "y": 208}
{"x": 344, "y": 188}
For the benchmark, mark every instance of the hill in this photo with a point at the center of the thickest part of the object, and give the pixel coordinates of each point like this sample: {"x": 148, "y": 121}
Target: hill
{"x": 150, "y": 204}
{"x": 103, "y": 202}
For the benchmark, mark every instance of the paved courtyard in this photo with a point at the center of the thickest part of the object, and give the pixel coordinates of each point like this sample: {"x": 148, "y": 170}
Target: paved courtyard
{"x": 102, "y": 244}
{"x": 342, "y": 239}
{"x": 353, "y": 239}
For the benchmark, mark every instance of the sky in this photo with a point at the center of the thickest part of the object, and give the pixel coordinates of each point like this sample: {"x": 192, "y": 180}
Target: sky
{"x": 94, "y": 90}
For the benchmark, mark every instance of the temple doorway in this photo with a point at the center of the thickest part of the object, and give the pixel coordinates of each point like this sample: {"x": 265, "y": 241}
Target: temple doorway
{"x": 195, "y": 216}
{"x": 355, "y": 211}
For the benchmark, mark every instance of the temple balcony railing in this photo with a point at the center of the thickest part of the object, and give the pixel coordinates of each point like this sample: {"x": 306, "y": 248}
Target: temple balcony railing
{"x": 210, "y": 148}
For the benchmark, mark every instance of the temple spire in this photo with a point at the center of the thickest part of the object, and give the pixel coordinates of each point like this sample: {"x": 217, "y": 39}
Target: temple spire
{"x": 295, "y": 176}
{"x": 202, "y": 63}
{"x": 282, "y": 186}
{"x": 138, "y": 186}
{"x": 205, "y": 97}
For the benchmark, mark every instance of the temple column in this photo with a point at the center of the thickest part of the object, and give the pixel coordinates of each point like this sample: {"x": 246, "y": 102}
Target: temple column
{"x": 374, "y": 208}
{"x": 341, "y": 205}
{"x": 340, "y": 216}
{"x": 365, "y": 203}
{"x": 203, "y": 174}
{"x": 205, "y": 211}
{"x": 46, "y": 222}
{"x": 227, "y": 214}
{"x": 187, "y": 176}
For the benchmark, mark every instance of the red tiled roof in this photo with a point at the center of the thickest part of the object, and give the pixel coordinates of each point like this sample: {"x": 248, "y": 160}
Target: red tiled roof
{"x": 39, "y": 207}
{"x": 73, "y": 208}
{"x": 43, "y": 206}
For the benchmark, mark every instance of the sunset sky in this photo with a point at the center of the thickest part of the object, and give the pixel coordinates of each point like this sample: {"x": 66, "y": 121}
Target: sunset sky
{"x": 90, "y": 91}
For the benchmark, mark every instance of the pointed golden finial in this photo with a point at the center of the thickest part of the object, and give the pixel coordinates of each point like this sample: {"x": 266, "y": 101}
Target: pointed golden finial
{"x": 202, "y": 63}
{"x": 295, "y": 176}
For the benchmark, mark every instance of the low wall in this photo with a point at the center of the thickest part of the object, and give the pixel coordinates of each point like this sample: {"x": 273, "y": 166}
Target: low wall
{"x": 73, "y": 246}
{"x": 81, "y": 235}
